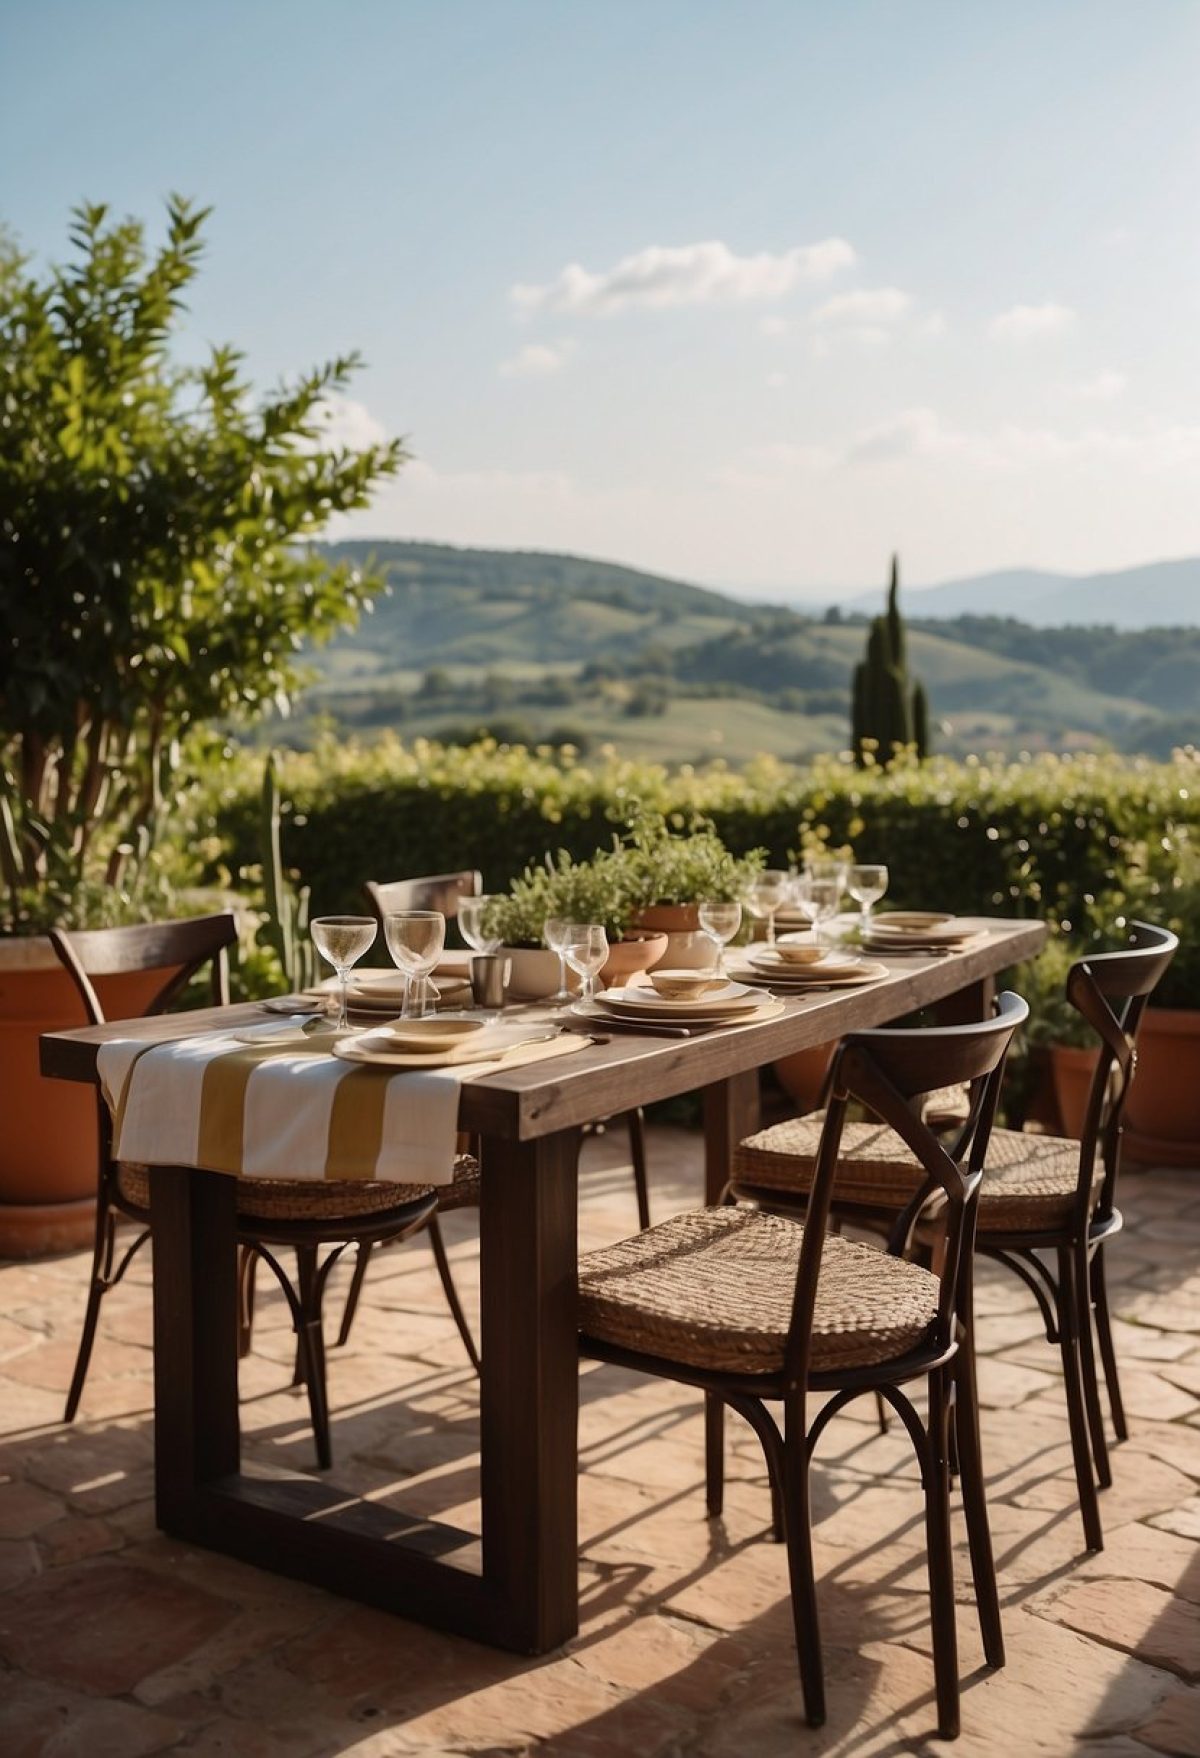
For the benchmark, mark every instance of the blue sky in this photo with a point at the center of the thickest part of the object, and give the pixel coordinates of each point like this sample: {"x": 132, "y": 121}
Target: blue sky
{"x": 748, "y": 292}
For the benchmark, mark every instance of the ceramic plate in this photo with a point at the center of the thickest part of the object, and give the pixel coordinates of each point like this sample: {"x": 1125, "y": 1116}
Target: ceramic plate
{"x": 490, "y": 1045}
{"x": 733, "y": 998}
{"x": 305, "y": 1028}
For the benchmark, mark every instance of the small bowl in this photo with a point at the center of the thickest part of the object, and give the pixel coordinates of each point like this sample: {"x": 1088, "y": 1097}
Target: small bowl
{"x": 684, "y": 985}
{"x": 431, "y": 1034}
{"x": 799, "y": 949}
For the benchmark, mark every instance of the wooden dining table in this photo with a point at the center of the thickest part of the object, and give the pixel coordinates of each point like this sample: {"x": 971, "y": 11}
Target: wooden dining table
{"x": 513, "y": 1585}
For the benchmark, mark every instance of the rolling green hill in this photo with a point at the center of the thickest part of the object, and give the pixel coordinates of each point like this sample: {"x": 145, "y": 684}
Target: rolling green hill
{"x": 560, "y": 648}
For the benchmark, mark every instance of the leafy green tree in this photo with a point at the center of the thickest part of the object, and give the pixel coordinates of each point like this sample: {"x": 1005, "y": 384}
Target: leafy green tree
{"x": 154, "y": 565}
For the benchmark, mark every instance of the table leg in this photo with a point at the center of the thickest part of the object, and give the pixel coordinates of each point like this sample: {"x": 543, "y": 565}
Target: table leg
{"x": 968, "y": 1005}
{"x": 196, "y": 1437}
{"x": 731, "y": 1112}
{"x": 530, "y": 1390}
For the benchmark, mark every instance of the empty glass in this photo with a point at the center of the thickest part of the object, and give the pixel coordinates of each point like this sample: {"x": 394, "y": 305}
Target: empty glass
{"x": 824, "y": 897}
{"x": 767, "y": 891}
{"x": 341, "y": 941}
{"x": 585, "y": 948}
{"x": 554, "y": 930}
{"x": 866, "y": 886}
{"x": 720, "y": 921}
{"x": 415, "y": 939}
{"x": 473, "y": 914}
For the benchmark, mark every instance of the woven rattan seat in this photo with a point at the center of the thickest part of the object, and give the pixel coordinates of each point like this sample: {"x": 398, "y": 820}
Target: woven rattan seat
{"x": 1029, "y": 1184}
{"x": 874, "y": 1167}
{"x": 299, "y": 1199}
{"x": 463, "y": 1193}
{"x": 714, "y": 1289}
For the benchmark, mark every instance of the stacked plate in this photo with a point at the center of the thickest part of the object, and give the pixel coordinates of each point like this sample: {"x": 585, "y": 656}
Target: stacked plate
{"x": 836, "y": 969}
{"x": 919, "y": 931}
{"x": 642, "y": 1006}
{"x": 395, "y": 1047}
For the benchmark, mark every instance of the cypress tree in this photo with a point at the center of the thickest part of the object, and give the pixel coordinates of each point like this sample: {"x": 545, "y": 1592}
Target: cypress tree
{"x": 887, "y": 708}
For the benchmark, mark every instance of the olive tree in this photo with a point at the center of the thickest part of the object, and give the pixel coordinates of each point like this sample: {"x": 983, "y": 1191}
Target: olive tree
{"x": 156, "y": 568}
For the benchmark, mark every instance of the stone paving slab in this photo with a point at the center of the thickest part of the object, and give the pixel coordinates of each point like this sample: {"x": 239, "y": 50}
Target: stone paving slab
{"x": 116, "y": 1640}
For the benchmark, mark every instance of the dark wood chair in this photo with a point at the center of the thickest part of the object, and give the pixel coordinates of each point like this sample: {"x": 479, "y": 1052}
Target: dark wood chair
{"x": 444, "y": 892}
{"x": 271, "y": 1212}
{"x": 753, "y": 1306}
{"x": 1047, "y": 1206}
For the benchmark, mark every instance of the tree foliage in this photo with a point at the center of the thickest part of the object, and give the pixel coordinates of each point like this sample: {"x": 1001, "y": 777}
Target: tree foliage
{"x": 154, "y": 569}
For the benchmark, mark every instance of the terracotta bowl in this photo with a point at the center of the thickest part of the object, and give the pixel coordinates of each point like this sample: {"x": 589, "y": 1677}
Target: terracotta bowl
{"x": 630, "y": 956}
{"x": 684, "y": 985}
{"x": 799, "y": 949}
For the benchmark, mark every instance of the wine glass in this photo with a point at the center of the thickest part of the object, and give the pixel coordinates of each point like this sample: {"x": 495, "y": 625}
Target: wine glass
{"x": 866, "y": 886}
{"x": 720, "y": 921}
{"x": 341, "y": 941}
{"x": 415, "y": 939}
{"x": 585, "y": 948}
{"x": 824, "y": 897}
{"x": 554, "y": 932}
{"x": 767, "y": 891}
{"x": 473, "y": 923}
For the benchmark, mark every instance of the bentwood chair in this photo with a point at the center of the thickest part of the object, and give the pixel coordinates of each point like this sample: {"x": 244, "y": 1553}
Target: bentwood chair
{"x": 444, "y": 892}
{"x": 270, "y": 1212}
{"x": 1047, "y": 1206}
{"x": 754, "y": 1307}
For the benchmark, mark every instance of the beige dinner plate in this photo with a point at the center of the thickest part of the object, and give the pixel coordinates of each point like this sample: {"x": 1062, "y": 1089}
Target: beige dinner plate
{"x": 766, "y": 1006}
{"x": 491, "y": 1045}
{"x": 795, "y": 982}
{"x": 732, "y": 999}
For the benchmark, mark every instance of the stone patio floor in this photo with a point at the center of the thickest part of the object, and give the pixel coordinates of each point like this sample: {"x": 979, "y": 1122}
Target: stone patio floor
{"x": 117, "y": 1641}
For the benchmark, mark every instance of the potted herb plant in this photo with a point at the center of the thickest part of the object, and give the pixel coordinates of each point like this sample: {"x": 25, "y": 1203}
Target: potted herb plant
{"x": 602, "y": 889}
{"x": 675, "y": 873}
{"x": 154, "y": 574}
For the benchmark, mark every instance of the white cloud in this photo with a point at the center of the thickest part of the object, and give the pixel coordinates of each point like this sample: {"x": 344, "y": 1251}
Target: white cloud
{"x": 537, "y": 360}
{"x": 662, "y": 276}
{"x": 772, "y": 326}
{"x": 1101, "y": 389}
{"x": 864, "y": 306}
{"x": 345, "y": 422}
{"x": 775, "y": 381}
{"x": 911, "y": 433}
{"x": 1025, "y": 323}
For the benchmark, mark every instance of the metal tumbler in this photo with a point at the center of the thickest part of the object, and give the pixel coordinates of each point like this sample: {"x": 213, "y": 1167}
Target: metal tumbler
{"x": 490, "y": 972}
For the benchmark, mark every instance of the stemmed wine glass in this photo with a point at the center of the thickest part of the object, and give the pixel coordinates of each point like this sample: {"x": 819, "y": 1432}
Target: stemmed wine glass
{"x": 824, "y": 895}
{"x": 766, "y": 893}
{"x": 720, "y": 921}
{"x": 473, "y": 923}
{"x": 585, "y": 948}
{"x": 554, "y": 931}
{"x": 866, "y": 886}
{"x": 415, "y": 939}
{"x": 341, "y": 941}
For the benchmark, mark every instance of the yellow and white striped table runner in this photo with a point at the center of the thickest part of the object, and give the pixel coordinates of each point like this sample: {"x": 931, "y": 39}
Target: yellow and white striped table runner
{"x": 284, "y": 1111}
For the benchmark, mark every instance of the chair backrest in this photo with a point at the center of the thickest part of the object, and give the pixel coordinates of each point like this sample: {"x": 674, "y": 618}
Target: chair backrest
{"x": 1110, "y": 990}
{"x": 885, "y": 1070}
{"x": 437, "y": 891}
{"x": 178, "y": 949}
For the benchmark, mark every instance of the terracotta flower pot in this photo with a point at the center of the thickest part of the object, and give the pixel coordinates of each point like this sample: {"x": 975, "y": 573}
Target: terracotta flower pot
{"x": 687, "y": 948}
{"x": 1071, "y": 1070}
{"x": 1162, "y": 1116}
{"x": 637, "y": 951}
{"x": 802, "y": 1075}
{"x": 48, "y": 1165}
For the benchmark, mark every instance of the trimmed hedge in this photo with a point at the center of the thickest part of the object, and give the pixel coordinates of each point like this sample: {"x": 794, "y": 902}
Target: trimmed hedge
{"x": 1041, "y": 836}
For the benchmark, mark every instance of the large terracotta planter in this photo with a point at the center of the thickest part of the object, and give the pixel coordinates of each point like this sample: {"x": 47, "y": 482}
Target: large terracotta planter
{"x": 687, "y": 948}
{"x": 628, "y": 957}
{"x": 48, "y": 1166}
{"x": 1071, "y": 1071}
{"x": 1162, "y": 1116}
{"x": 802, "y": 1075}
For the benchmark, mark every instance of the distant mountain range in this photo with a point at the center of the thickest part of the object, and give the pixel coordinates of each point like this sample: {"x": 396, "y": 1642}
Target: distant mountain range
{"x": 538, "y": 646}
{"x": 1157, "y": 595}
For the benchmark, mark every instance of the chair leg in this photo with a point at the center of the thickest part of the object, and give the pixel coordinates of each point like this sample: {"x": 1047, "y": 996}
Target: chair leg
{"x": 1068, "y": 1309}
{"x": 451, "y": 1292}
{"x": 636, "y": 1120}
{"x": 941, "y": 1557}
{"x": 102, "y": 1256}
{"x": 801, "y": 1575}
{"x": 247, "y": 1277}
{"x": 362, "y": 1256}
{"x": 1087, "y": 1370}
{"x": 311, "y": 1351}
{"x": 1108, "y": 1354}
{"x": 974, "y": 1488}
{"x": 714, "y": 1454}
